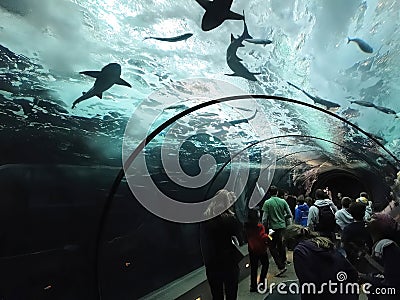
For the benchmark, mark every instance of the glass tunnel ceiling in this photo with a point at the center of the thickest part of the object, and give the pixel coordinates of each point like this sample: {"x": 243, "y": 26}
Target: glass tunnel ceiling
{"x": 46, "y": 43}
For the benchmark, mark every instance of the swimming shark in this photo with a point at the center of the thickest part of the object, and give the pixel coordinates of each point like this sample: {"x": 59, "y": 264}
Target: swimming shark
{"x": 245, "y": 120}
{"x": 217, "y": 12}
{"x": 386, "y": 110}
{"x": 361, "y": 44}
{"x": 171, "y": 39}
{"x": 363, "y": 103}
{"x": 106, "y": 78}
{"x": 316, "y": 99}
{"x": 259, "y": 41}
{"x": 233, "y": 61}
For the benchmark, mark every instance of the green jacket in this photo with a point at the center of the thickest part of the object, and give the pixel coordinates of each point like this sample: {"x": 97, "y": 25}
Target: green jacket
{"x": 276, "y": 212}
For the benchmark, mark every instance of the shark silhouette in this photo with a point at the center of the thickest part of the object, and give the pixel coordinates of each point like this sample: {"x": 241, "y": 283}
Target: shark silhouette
{"x": 233, "y": 61}
{"x": 106, "y": 78}
{"x": 171, "y": 39}
{"x": 316, "y": 99}
{"x": 217, "y": 12}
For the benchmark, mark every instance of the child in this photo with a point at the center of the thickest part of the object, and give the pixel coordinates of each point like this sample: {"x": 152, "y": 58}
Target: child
{"x": 257, "y": 244}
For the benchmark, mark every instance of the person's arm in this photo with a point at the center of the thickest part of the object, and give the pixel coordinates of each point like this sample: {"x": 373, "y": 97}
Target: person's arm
{"x": 339, "y": 220}
{"x": 297, "y": 216}
{"x": 265, "y": 219}
{"x": 288, "y": 214}
{"x": 333, "y": 206}
{"x": 301, "y": 268}
{"x": 312, "y": 216}
{"x": 265, "y": 215}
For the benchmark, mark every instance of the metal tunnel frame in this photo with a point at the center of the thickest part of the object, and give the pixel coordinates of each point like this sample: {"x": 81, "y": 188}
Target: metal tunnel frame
{"x": 154, "y": 133}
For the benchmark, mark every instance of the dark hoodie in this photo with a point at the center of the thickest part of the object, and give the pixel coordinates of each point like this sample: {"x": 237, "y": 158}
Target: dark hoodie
{"x": 301, "y": 214}
{"x": 320, "y": 265}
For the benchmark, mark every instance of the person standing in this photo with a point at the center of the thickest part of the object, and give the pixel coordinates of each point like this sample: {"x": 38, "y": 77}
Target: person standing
{"x": 343, "y": 216}
{"x": 219, "y": 254}
{"x": 277, "y": 216}
{"x": 301, "y": 212}
{"x": 321, "y": 216}
{"x": 257, "y": 241}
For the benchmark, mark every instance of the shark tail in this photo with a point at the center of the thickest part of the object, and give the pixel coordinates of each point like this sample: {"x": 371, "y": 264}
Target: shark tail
{"x": 348, "y": 40}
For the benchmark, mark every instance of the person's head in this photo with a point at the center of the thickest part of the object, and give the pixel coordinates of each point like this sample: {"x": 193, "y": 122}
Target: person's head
{"x": 362, "y": 200}
{"x": 285, "y": 194}
{"x": 221, "y": 203}
{"x": 273, "y": 190}
{"x": 281, "y": 194}
{"x": 300, "y": 200}
{"x": 357, "y": 211}
{"x": 346, "y": 201}
{"x": 382, "y": 226}
{"x": 253, "y": 216}
{"x": 320, "y": 194}
{"x": 364, "y": 194}
{"x": 309, "y": 201}
{"x": 294, "y": 234}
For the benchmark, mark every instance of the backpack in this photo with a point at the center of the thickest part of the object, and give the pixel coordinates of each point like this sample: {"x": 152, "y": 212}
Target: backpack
{"x": 304, "y": 217}
{"x": 327, "y": 221}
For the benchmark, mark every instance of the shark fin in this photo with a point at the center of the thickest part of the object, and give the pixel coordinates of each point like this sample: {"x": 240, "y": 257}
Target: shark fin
{"x": 120, "y": 81}
{"x": 100, "y": 95}
{"x": 83, "y": 93}
{"x": 94, "y": 74}
{"x": 234, "y": 74}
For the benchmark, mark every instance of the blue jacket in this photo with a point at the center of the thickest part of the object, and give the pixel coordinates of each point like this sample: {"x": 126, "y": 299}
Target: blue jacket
{"x": 301, "y": 214}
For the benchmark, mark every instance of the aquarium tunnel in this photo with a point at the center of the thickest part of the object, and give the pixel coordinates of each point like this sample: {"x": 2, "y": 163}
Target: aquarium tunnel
{"x": 120, "y": 120}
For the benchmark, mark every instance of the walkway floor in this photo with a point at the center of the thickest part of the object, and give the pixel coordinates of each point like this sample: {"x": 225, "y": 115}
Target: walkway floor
{"x": 290, "y": 275}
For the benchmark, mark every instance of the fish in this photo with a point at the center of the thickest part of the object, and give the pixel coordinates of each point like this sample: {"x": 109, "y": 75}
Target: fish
{"x": 177, "y": 106}
{"x": 363, "y": 103}
{"x": 316, "y": 99}
{"x": 361, "y": 44}
{"x": 106, "y": 78}
{"x": 217, "y": 12}
{"x": 386, "y": 110}
{"x": 233, "y": 61}
{"x": 259, "y": 41}
{"x": 245, "y": 120}
{"x": 171, "y": 39}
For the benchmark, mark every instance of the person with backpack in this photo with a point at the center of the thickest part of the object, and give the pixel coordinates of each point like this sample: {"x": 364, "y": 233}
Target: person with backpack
{"x": 301, "y": 212}
{"x": 321, "y": 216}
{"x": 257, "y": 241}
{"x": 356, "y": 239}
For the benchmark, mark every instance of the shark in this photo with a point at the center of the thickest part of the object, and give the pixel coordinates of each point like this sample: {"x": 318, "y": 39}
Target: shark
{"x": 106, "y": 78}
{"x": 217, "y": 12}
{"x": 328, "y": 104}
{"x": 259, "y": 41}
{"x": 171, "y": 39}
{"x": 233, "y": 61}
